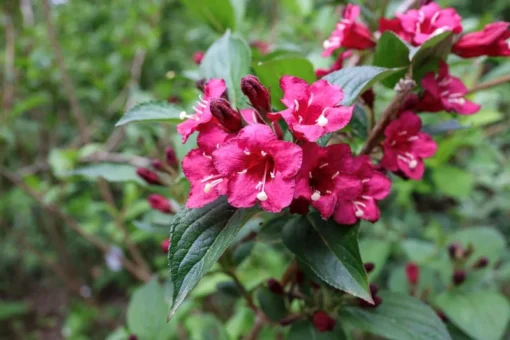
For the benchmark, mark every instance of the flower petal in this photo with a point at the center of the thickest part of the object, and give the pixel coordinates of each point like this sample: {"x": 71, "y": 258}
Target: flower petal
{"x": 279, "y": 192}
{"x": 345, "y": 213}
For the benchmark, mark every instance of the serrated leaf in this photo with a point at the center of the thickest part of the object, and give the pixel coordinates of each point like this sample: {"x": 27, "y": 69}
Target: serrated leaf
{"x": 483, "y": 315}
{"x": 355, "y": 80}
{"x": 152, "y": 111}
{"x": 199, "y": 237}
{"x": 271, "y": 304}
{"x": 330, "y": 250}
{"x": 110, "y": 172}
{"x": 229, "y": 58}
{"x": 391, "y": 51}
{"x": 220, "y": 15}
{"x": 305, "y": 330}
{"x": 398, "y": 317}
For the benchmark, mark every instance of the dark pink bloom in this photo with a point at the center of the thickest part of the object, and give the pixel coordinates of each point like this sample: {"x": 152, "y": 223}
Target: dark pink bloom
{"x": 259, "y": 168}
{"x": 323, "y": 322}
{"x": 360, "y": 201}
{"x": 171, "y": 157}
{"x": 337, "y": 65}
{"x": 165, "y": 244}
{"x": 349, "y": 33}
{"x": 395, "y": 26}
{"x": 312, "y": 110}
{"x": 491, "y": 41}
{"x": 445, "y": 92}
{"x": 323, "y": 176}
{"x": 257, "y": 94}
{"x": 412, "y": 273}
{"x": 206, "y": 183}
{"x": 428, "y": 21}
{"x": 198, "y": 56}
{"x": 149, "y": 176}
{"x": 213, "y": 89}
{"x": 226, "y": 116}
{"x": 160, "y": 203}
{"x": 405, "y": 146}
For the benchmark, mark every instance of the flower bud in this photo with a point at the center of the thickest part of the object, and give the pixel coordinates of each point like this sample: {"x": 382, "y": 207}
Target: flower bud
{"x": 455, "y": 251}
{"x": 158, "y": 202}
{"x": 171, "y": 157}
{"x": 156, "y": 164}
{"x": 225, "y": 114}
{"x": 133, "y": 337}
{"x": 373, "y": 289}
{"x": 412, "y": 273}
{"x": 482, "y": 262}
{"x": 200, "y": 84}
{"x": 165, "y": 244}
{"x": 148, "y": 176}
{"x": 275, "y": 286}
{"x": 198, "y": 57}
{"x": 323, "y": 322}
{"x": 369, "y": 266}
{"x": 369, "y": 98}
{"x": 257, "y": 94}
{"x": 458, "y": 277}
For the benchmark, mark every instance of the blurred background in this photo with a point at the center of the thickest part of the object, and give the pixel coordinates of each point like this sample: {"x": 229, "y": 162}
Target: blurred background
{"x": 78, "y": 237}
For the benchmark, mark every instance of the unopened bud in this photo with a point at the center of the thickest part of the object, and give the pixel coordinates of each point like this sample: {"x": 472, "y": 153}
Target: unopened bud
{"x": 149, "y": 176}
{"x": 171, "y": 157}
{"x": 198, "y": 57}
{"x": 373, "y": 289}
{"x": 369, "y": 98}
{"x": 412, "y": 273}
{"x": 157, "y": 164}
{"x": 482, "y": 262}
{"x": 369, "y": 266}
{"x": 226, "y": 115}
{"x": 455, "y": 251}
{"x": 165, "y": 244}
{"x": 458, "y": 277}
{"x": 323, "y": 322}
{"x": 133, "y": 337}
{"x": 257, "y": 94}
{"x": 275, "y": 286}
{"x": 158, "y": 202}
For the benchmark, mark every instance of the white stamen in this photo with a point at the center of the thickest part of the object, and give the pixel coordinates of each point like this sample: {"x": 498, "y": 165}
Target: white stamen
{"x": 444, "y": 93}
{"x": 262, "y": 196}
{"x": 211, "y": 185}
{"x": 322, "y": 120}
{"x": 434, "y": 17}
{"x": 310, "y": 174}
{"x": 183, "y": 115}
{"x": 310, "y": 100}
{"x": 205, "y": 179}
{"x": 272, "y": 174}
{"x": 300, "y": 119}
{"x": 413, "y": 164}
{"x": 202, "y": 105}
{"x": 412, "y": 138}
{"x": 242, "y": 172}
{"x": 328, "y": 191}
{"x": 323, "y": 165}
{"x": 254, "y": 116}
{"x": 402, "y": 133}
{"x": 246, "y": 152}
{"x": 358, "y": 213}
{"x": 296, "y": 105}
{"x": 365, "y": 180}
{"x": 365, "y": 197}
{"x": 206, "y": 155}
{"x": 316, "y": 195}
{"x": 335, "y": 174}
{"x": 263, "y": 153}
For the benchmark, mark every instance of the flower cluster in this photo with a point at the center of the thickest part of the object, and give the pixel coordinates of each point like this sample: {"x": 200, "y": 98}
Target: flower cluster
{"x": 242, "y": 153}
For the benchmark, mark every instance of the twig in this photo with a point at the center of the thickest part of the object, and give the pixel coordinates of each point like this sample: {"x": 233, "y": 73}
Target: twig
{"x": 9, "y": 66}
{"x": 404, "y": 89}
{"x": 289, "y": 274}
{"x": 103, "y": 156}
{"x": 137, "y": 272}
{"x": 260, "y": 321}
{"x": 489, "y": 84}
{"x": 243, "y": 290}
{"x": 28, "y": 12}
{"x": 66, "y": 78}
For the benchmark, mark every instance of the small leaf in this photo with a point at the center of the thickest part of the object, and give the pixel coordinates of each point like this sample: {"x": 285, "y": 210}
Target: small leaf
{"x": 323, "y": 141}
{"x": 391, "y": 51}
{"x": 271, "y": 304}
{"x": 376, "y": 251}
{"x": 220, "y": 15}
{"x": 398, "y": 317}
{"x": 305, "y": 330}
{"x": 453, "y": 181}
{"x": 437, "y": 46}
{"x": 13, "y": 309}
{"x": 110, "y": 172}
{"x": 152, "y": 111}
{"x": 270, "y": 72}
{"x": 330, "y": 250}
{"x": 199, "y": 237}
{"x": 355, "y": 80}
{"x": 483, "y": 315}
{"x": 229, "y": 58}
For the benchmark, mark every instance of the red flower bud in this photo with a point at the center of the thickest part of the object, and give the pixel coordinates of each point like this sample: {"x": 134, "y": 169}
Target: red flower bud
{"x": 455, "y": 251}
{"x": 261, "y": 45}
{"x": 148, "y": 176}
{"x": 200, "y": 84}
{"x": 300, "y": 277}
{"x": 442, "y": 316}
{"x": 160, "y": 203}
{"x": 373, "y": 290}
{"x": 314, "y": 285}
{"x": 257, "y": 94}
{"x": 156, "y": 164}
{"x": 198, "y": 56}
{"x": 369, "y": 98}
{"x": 458, "y": 277}
{"x": 482, "y": 262}
{"x": 412, "y": 273}
{"x": 174, "y": 100}
{"x": 323, "y": 322}
{"x": 275, "y": 286}
{"x": 226, "y": 115}
{"x": 171, "y": 157}
{"x": 369, "y": 266}
{"x": 165, "y": 244}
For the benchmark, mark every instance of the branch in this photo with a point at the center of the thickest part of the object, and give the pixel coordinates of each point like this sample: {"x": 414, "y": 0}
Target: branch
{"x": 289, "y": 274}
{"x": 103, "y": 156}
{"x": 66, "y": 78}
{"x": 489, "y": 84}
{"x": 243, "y": 290}
{"x": 404, "y": 89}
{"x": 260, "y": 321}
{"x": 9, "y": 67}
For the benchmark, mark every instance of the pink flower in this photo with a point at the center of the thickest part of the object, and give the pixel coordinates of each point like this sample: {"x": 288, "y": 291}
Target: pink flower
{"x": 418, "y": 25}
{"x": 198, "y": 56}
{"x": 149, "y": 176}
{"x": 323, "y": 322}
{"x": 412, "y": 273}
{"x": 360, "y": 201}
{"x": 160, "y": 203}
{"x": 405, "y": 146}
{"x": 349, "y": 33}
{"x": 445, "y": 92}
{"x": 206, "y": 183}
{"x": 337, "y": 65}
{"x": 312, "y": 110}
{"x": 259, "y": 168}
{"x": 213, "y": 89}
{"x": 491, "y": 41}
{"x": 322, "y": 177}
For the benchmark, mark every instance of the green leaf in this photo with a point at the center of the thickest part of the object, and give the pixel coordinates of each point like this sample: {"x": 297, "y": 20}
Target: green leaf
{"x": 199, "y": 237}
{"x": 160, "y": 111}
{"x": 453, "y": 181}
{"x": 391, "y": 51}
{"x": 375, "y": 251}
{"x": 359, "y": 122}
{"x": 271, "y": 304}
{"x": 323, "y": 141}
{"x": 109, "y": 171}
{"x": 483, "y": 315}
{"x": 229, "y": 58}
{"x": 398, "y": 317}
{"x": 299, "y": 7}
{"x": 330, "y": 250}
{"x": 147, "y": 310}
{"x": 355, "y": 80}
{"x": 13, "y": 309}
{"x": 218, "y": 14}
{"x": 205, "y": 327}
{"x": 438, "y": 46}
{"x": 305, "y": 330}
{"x": 443, "y": 127}
{"x": 270, "y": 72}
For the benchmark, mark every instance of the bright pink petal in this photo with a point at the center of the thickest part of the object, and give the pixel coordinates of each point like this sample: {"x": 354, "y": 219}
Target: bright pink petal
{"x": 256, "y": 135}
{"x": 325, "y": 205}
{"x": 211, "y": 137}
{"x": 378, "y": 186}
{"x": 214, "y": 88}
{"x": 429, "y": 83}
{"x": 339, "y": 156}
{"x": 351, "y": 12}
{"x": 468, "y": 108}
{"x": 425, "y": 146}
{"x": 229, "y": 158}
{"x": 310, "y": 133}
{"x": 389, "y": 160}
{"x": 186, "y": 128}
{"x": 411, "y": 123}
{"x": 250, "y": 116}
{"x": 196, "y": 166}
{"x": 287, "y": 157}
{"x": 348, "y": 187}
{"x": 370, "y": 210}
{"x": 279, "y": 192}
{"x": 338, "y": 117}
{"x": 345, "y": 213}
{"x": 293, "y": 88}
{"x": 412, "y": 172}
{"x": 324, "y": 94}
{"x": 242, "y": 192}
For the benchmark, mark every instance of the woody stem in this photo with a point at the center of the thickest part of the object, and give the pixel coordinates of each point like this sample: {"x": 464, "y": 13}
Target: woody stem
{"x": 489, "y": 84}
